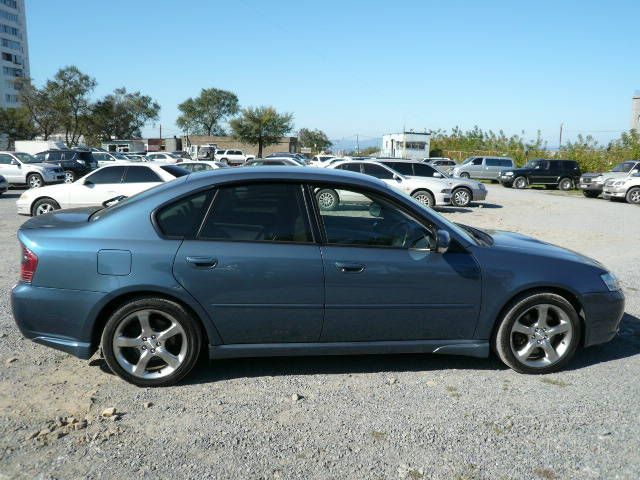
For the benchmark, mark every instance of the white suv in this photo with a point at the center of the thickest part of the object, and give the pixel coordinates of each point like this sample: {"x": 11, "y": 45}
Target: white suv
{"x": 232, "y": 157}
{"x": 20, "y": 168}
{"x": 428, "y": 191}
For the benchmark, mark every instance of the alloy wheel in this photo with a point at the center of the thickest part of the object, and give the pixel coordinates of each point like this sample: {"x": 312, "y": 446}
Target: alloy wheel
{"x": 520, "y": 182}
{"x": 565, "y": 184}
{"x": 68, "y": 177}
{"x": 424, "y": 198}
{"x": 150, "y": 344}
{"x": 35, "y": 181}
{"x": 541, "y": 336}
{"x": 461, "y": 198}
{"x": 44, "y": 208}
{"x": 634, "y": 196}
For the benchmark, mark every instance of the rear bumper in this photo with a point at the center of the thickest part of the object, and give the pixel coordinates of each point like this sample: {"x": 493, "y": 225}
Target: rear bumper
{"x": 603, "y": 313}
{"x": 57, "y": 318}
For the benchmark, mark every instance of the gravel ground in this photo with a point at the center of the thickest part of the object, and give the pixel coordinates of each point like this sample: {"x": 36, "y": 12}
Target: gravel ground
{"x": 411, "y": 416}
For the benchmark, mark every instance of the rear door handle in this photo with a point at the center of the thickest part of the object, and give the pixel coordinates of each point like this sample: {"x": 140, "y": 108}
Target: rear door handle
{"x": 202, "y": 262}
{"x": 348, "y": 267}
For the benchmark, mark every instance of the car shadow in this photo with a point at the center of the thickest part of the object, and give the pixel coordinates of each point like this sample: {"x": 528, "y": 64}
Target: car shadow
{"x": 10, "y": 195}
{"x": 625, "y": 344}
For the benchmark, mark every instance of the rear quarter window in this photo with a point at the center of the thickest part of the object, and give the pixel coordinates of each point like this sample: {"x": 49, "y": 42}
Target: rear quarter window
{"x": 182, "y": 218}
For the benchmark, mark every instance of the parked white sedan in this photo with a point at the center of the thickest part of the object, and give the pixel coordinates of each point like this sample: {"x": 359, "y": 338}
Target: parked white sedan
{"x": 123, "y": 179}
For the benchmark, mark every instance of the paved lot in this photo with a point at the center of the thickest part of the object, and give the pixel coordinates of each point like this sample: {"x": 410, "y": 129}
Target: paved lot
{"x": 346, "y": 417}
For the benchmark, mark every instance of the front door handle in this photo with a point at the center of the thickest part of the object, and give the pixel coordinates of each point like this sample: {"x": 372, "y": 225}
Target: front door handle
{"x": 203, "y": 263}
{"x": 348, "y": 267}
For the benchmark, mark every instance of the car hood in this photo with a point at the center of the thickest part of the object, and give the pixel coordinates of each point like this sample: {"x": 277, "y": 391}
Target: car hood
{"x": 517, "y": 171}
{"x": 606, "y": 175}
{"x": 68, "y": 218}
{"x": 515, "y": 241}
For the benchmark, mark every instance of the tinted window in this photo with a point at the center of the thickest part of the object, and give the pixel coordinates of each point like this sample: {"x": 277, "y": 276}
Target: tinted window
{"x": 183, "y": 217}
{"x": 5, "y": 159}
{"x": 422, "y": 170}
{"x": 493, "y": 162}
{"x": 53, "y": 156}
{"x": 351, "y": 167}
{"x": 141, "y": 175}
{"x": 401, "y": 167}
{"x": 175, "y": 170}
{"x": 377, "y": 171}
{"x": 269, "y": 212}
{"x": 364, "y": 219}
{"x": 196, "y": 167}
{"x": 477, "y": 161}
{"x": 107, "y": 175}
{"x": 101, "y": 157}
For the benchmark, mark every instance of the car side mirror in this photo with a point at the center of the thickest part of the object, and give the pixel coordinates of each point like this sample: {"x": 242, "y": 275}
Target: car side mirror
{"x": 443, "y": 240}
{"x": 397, "y": 178}
{"x": 437, "y": 175}
{"x": 89, "y": 183}
{"x": 16, "y": 163}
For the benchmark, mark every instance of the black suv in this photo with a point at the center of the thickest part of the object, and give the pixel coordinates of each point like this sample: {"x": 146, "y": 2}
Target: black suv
{"x": 75, "y": 163}
{"x": 562, "y": 174}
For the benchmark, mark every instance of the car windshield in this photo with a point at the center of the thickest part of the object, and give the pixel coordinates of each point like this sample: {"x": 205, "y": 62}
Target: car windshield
{"x": 467, "y": 160}
{"x": 120, "y": 156}
{"x": 26, "y": 158}
{"x": 175, "y": 170}
{"x": 624, "y": 167}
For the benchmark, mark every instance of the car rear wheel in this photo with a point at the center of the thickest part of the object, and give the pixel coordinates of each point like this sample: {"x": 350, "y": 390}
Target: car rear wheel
{"x": 633, "y": 196}
{"x": 424, "y": 197}
{"x": 34, "y": 180}
{"x": 589, "y": 194}
{"x": 465, "y": 175}
{"x": 565, "y": 184}
{"x": 327, "y": 199}
{"x": 461, "y": 197}
{"x": 520, "y": 183}
{"x": 538, "y": 334}
{"x": 69, "y": 177}
{"x": 151, "y": 342}
{"x": 44, "y": 205}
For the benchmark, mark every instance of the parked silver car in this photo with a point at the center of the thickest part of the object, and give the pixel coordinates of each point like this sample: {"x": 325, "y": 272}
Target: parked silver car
{"x": 627, "y": 188}
{"x": 20, "y": 168}
{"x": 592, "y": 184}
{"x": 488, "y": 168}
{"x": 444, "y": 164}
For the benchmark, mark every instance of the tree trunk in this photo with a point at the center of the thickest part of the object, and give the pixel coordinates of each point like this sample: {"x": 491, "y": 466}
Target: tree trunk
{"x": 259, "y": 148}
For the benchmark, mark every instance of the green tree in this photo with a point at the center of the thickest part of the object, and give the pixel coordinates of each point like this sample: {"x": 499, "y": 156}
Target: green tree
{"x": 39, "y": 103}
{"x": 261, "y": 126}
{"x": 16, "y": 124}
{"x": 202, "y": 115}
{"x": 69, "y": 90}
{"x": 316, "y": 140}
{"x": 122, "y": 114}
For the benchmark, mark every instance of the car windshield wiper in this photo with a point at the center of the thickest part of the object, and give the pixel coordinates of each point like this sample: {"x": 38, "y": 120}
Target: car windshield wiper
{"x": 483, "y": 237}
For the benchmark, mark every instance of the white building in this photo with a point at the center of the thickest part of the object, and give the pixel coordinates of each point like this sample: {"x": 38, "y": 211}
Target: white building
{"x": 635, "y": 112}
{"x": 14, "y": 51}
{"x": 408, "y": 145}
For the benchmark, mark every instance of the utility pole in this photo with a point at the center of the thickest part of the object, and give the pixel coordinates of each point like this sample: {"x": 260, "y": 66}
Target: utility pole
{"x": 560, "y": 141}
{"x": 357, "y": 144}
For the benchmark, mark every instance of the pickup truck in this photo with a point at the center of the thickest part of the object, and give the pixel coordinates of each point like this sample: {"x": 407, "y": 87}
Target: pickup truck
{"x": 232, "y": 157}
{"x": 592, "y": 184}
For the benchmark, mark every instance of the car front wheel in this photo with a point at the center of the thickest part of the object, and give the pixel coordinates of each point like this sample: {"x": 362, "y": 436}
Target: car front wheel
{"x": 538, "y": 334}
{"x": 151, "y": 342}
{"x": 633, "y": 196}
{"x": 69, "y": 177}
{"x": 461, "y": 197}
{"x": 44, "y": 205}
{"x": 424, "y": 197}
{"x": 520, "y": 183}
{"x": 34, "y": 180}
{"x": 464, "y": 175}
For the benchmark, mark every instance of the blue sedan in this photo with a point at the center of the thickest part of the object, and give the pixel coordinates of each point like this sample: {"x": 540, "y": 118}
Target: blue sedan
{"x": 247, "y": 263}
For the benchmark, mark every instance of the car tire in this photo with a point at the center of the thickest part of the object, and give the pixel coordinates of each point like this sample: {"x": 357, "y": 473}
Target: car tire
{"x": 43, "y": 206}
{"x": 565, "y": 184}
{"x": 465, "y": 175}
{"x": 69, "y": 176}
{"x": 589, "y": 194}
{"x": 461, "y": 197}
{"x": 633, "y": 196}
{"x": 424, "y": 197}
{"x": 527, "y": 344}
{"x": 327, "y": 199}
{"x": 35, "y": 180}
{"x": 151, "y": 342}
{"x": 520, "y": 183}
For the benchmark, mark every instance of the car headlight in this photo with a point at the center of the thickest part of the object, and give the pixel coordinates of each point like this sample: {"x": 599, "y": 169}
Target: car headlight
{"x": 619, "y": 183}
{"x": 481, "y": 186}
{"x": 508, "y": 174}
{"x": 611, "y": 281}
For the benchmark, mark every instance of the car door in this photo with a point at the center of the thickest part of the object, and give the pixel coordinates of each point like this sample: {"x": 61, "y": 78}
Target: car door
{"x": 97, "y": 187}
{"x": 254, "y": 265}
{"x": 137, "y": 179}
{"x": 11, "y": 169}
{"x": 381, "y": 282}
{"x": 475, "y": 168}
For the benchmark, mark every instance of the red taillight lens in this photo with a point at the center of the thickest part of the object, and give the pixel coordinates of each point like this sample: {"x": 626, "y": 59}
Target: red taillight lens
{"x": 29, "y": 265}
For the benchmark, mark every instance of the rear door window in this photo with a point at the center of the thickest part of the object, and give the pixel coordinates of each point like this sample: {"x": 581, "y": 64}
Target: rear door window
{"x": 107, "y": 175}
{"x": 377, "y": 171}
{"x": 141, "y": 175}
{"x": 404, "y": 168}
{"x": 351, "y": 167}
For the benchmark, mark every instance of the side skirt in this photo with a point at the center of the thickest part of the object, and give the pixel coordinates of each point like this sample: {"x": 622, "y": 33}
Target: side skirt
{"x": 471, "y": 348}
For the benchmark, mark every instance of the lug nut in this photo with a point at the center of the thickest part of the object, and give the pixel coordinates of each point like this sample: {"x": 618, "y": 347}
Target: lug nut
{"x": 143, "y": 347}
{"x": 153, "y": 337}
{"x": 157, "y": 344}
{"x": 144, "y": 339}
{"x": 153, "y": 350}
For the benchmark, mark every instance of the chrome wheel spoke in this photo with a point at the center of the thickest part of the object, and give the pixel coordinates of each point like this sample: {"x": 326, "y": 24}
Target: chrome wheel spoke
{"x": 128, "y": 342}
{"x": 520, "y": 328}
{"x": 543, "y": 312}
{"x": 550, "y": 352}
{"x": 140, "y": 368}
{"x": 564, "y": 327}
{"x": 143, "y": 318}
{"x": 172, "y": 331}
{"x": 171, "y": 359}
{"x": 524, "y": 353}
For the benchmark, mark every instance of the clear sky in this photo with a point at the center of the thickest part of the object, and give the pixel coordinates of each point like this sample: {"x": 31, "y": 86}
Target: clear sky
{"x": 361, "y": 67}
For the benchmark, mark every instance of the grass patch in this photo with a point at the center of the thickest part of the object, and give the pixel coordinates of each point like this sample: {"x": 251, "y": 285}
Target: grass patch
{"x": 545, "y": 473}
{"x": 378, "y": 435}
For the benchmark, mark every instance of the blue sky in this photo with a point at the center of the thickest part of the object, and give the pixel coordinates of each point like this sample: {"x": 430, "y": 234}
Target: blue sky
{"x": 361, "y": 67}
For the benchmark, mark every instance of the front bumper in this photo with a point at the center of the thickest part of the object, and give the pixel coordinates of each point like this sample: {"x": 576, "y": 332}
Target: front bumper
{"x": 603, "y": 313}
{"x": 478, "y": 195}
{"x": 24, "y": 206}
{"x": 57, "y": 318}
{"x": 613, "y": 192}
{"x": 4, "y": 186}
{"x": 590, "y": 187}
{"x": 506, "y": 181}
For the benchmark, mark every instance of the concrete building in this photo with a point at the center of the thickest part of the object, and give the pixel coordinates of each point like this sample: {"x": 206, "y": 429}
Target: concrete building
{"x": 285, "y": 144}
{"x": 124, "y": 146}
{"x": 14, "y": 50}
{"x": 635, "y": 112}
{"x": 408, "y": 145}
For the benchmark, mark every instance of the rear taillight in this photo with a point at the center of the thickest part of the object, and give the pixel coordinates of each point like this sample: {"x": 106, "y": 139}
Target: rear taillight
{"x": 29, "y": 265}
